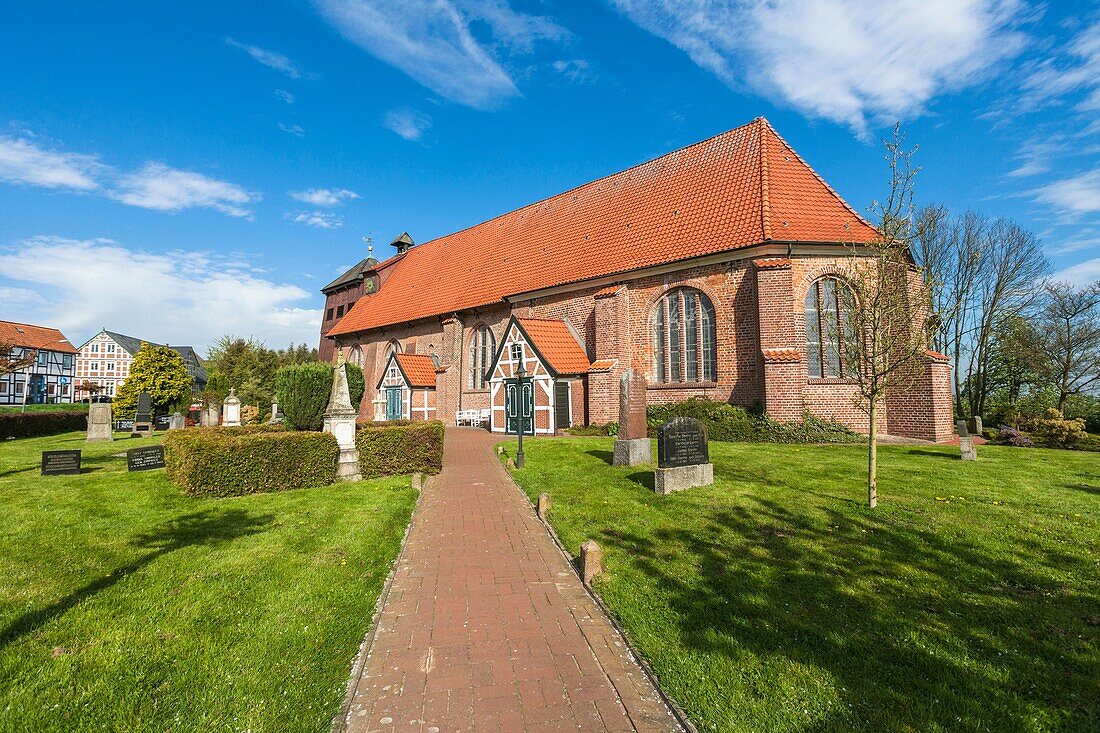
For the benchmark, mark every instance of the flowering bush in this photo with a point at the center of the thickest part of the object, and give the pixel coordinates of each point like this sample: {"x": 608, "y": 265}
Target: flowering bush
{"x": 1053, "y": 430}
{"x": 1007, "y": 435}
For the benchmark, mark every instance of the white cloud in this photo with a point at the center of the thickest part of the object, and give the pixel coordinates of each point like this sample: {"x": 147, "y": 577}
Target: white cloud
{"x": 1073, "y": 69}
{"x": 849, "y": 61}
{"x": 292, "y": 129}
{"x": 408, "y": 123}
{"x": 160, "y": 187}
{"x": 270, "y": 59}
{"x": 1076, "y": 195}
{"x": 194, "y": 297}
{"x": 285, "y": 96}
{"x": 323, "y": 196}
{"x": 576, "y": 71}
{"x": 22, "y": 161}
{"x": 317, "y": 219}
{"x": 1082, "y": 273}
{"x": 433, "y": 41}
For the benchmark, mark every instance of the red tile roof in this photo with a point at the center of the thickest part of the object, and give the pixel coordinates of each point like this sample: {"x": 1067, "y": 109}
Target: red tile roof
{"x": 603, "y": 365}
{"x": 34, "y": 337}
{"x": 773, "y": 263}
{"x": 607, "y": 292}
{"x": 418, "y": 368}
{"x": 781, "y": 355}
{"x": 557, "y": 344}
{"x": 740, "y": 188}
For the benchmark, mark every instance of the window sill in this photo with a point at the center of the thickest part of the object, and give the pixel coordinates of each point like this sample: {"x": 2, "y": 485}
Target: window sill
{"x": 681, "y": 385}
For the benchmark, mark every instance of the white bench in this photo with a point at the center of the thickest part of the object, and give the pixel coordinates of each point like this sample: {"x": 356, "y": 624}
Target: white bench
{"x": 467, "y": 417}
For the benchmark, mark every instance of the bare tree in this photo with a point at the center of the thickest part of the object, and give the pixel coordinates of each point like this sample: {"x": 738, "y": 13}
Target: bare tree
{"x": 1068, "y": 329}
{"x": 881, "y": 325}
{"x": 12, "y": 359}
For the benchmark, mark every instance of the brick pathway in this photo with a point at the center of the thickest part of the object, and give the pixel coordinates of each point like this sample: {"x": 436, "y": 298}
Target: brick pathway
{"x": 486, "y": 627}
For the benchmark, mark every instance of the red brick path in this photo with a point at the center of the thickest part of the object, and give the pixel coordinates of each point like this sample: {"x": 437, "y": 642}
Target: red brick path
{"x": 486, "y": 628}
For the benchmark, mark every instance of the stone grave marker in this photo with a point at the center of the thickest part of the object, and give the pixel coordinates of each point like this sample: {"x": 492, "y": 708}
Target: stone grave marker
{"x": 209, "y": 417}
{"x": 60, "y": 462}
{"x": 231, "y": 414}
{"x": 683, "y": 456}
{"x": 176, "y": 421}
{"x": 99, "y": 423}
{"x": 632, "y": 444}
{"x": 162, "y": 422}
{"x": 145, "y": 459}
{"x": 975, "y": 426}
{"x": 966, "y": 445}
{"x": 143, "y": 420}
{"x": 340, "y": 421}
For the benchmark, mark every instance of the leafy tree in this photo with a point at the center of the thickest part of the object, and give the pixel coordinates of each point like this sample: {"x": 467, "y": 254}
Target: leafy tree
{"x": 10, "y": 362}
{"x": 1068, "y": 326}
{"x": 245, "y": 364}
{"x": 300, "y": 354}
{"x": 160, "y": 371}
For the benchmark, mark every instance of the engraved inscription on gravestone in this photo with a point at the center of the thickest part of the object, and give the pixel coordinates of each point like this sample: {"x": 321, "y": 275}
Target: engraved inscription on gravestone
{"x": 682, "y": 441}
{"x": 145, "y": 459}
{"x": 60, "y": 462}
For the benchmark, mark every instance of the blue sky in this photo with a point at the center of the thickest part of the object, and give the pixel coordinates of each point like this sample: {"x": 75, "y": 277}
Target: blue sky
{"x": 180, "y": 172}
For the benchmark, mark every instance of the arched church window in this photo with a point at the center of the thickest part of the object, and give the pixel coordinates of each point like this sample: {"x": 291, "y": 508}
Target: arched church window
{"x": 827, "y": 329}
{"x": 684, "y": 341}
{"x": 481, "y": 349}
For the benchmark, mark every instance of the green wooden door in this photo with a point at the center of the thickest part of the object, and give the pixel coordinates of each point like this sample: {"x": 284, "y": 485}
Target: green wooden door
{"x": 394, "y": 408}
{"x": 519, "y": 406}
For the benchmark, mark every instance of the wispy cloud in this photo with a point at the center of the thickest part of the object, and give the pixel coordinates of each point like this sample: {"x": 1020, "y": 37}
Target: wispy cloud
{"x": 1082, "y": 273}
{"x": 408, "y": 123}
{"x": 433, "y": 41}
{"x": 285, "y": 96}
{"x": 202, "y": 294}
{"x": 1076, "y": 195}
{"x": 22, "y": 161}
{"x": 295, "y": 130}
{"x": 160, "y": 187}
{"x": 854, "y": 62}
{"x": 575, "y": 71}
{"x": 316, "y": 219}
{"x": 1073, "y": 70}
{"x": 323, "y": 196}
{"x": 270, "y": 59}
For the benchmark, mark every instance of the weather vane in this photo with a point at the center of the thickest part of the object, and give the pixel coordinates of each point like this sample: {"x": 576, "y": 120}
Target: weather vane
{"x": 370, "y": 244}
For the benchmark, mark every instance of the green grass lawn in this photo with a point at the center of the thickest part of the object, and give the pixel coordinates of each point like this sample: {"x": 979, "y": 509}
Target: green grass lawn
{"x": 774, "y": 600}
{"x": 126, "y": 606}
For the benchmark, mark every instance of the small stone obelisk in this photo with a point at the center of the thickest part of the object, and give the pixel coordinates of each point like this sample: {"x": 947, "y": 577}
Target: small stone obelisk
{"x": 340, "y": 421}
{"x": 632, "y": 446}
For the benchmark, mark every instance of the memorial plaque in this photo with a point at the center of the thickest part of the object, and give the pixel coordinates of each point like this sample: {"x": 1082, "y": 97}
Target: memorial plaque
{"x": 162, "y": 422}
{"x": 682, "y": 441}
{"x": 124, "y": 424}
{"x": 60, "y": 462}
{"x": 145, "y": 459}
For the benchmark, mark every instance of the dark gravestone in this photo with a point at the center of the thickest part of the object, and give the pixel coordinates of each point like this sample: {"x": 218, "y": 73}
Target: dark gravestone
{"x": 682, "y": 441}
{"x": 60, "y": 462}
{"x": 683, "y": 456}
{"x": 145, "y": 459}
{"x": 143, "y": 420}
{"x": 124, "y": 424}
{"x": 162, "y": 422}
{"x": 632, "y": 443}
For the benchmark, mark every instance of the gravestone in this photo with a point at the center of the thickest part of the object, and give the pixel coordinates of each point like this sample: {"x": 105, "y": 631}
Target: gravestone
{"x": 275, "y": 416}
{"x": 145, "y": 459}
{"x": 340, "y": 421}
{"x": 976, "y": 427}
{"x": 632, "y": 445}
{"x": 683, "y": 456}
{"x": 143, "y": 420}
{"x": 162, "y": 422}
{"x": 209, "y": 417}
{"x": 176, "y": 421}
{"x": 966, "y": 445}
{"x": 60, "y": 462}
{"x": 99, "y": 423}
{"x": 231, "y": 412}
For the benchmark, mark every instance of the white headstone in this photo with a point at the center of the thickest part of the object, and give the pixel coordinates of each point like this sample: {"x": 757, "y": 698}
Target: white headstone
{"x": 99, "y": 422}
{"x": 340, "y": 421}
{"x": 232, "y": 409}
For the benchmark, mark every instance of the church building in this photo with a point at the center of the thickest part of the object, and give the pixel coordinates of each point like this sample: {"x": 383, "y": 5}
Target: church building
{"x": 713, "y": 270}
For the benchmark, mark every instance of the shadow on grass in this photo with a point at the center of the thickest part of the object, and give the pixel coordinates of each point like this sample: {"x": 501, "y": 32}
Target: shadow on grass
{"x": 935, "y": 454}
{"x": 199, "y": 528}
{"x": 604, "y": 455}
{"x": 1087, "y": 488}
{"x": 915, "y": 629}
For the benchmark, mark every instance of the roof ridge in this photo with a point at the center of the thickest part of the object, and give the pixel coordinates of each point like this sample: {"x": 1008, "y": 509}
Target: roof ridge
{"x": 762, "y": 151}
{"x": 32, "y": 325}
{"x": 817, "y": 175}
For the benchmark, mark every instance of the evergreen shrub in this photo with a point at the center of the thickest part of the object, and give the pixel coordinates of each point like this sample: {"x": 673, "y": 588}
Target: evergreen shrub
{"x": 37, "y": 424}
{"x": 394, "y": 450}
{"x": 302, "y": 391}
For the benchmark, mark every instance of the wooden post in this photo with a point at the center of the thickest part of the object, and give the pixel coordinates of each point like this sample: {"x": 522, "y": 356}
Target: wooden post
{"x": 591, "y": 561}
{"x": 544, "y": 506}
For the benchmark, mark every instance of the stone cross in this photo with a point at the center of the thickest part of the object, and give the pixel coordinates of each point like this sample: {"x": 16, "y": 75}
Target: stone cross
{"x": 632, "y": 444}
{"x": 966, "y": 445}
{"x": 99, "y": 422}
{"x": 232, "y": 409}
{"x": 340, "y": 421}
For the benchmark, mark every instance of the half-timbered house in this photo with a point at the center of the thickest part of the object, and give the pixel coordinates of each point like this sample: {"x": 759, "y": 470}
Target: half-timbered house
{"x": 49, "y": 378}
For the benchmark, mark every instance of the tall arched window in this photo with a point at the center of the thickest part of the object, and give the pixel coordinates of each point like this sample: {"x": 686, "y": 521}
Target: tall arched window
{"x": 827, "y": 329}
{"x": 482, "y": 347}
{"x": 356, "y": 356}
{"x": 684, "y": 341}
{"x": 394, "y": 347}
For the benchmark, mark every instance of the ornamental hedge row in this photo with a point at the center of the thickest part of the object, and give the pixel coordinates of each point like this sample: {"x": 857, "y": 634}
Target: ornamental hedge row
{"x": 302, "y": 391}
{"x": 393, "y": 450}
{"x": 250, "y": 459}
{"x": 35, "y": 424}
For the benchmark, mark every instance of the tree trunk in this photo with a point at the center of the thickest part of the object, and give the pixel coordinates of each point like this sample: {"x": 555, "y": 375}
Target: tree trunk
{"x": 872, "y": 456}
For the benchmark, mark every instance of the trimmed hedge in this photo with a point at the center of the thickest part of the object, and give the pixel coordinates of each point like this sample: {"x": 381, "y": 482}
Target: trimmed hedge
{"x": 302, "y": 391}
{"x": 250, "y": 459}
{"x": 37, "y": 424}
{"x": 394, "y": 450}
{"x": 725, "y": 422}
